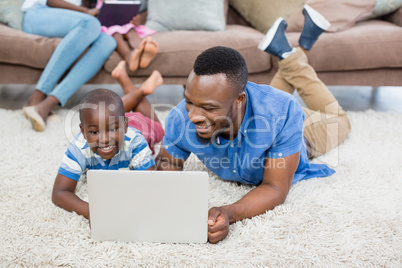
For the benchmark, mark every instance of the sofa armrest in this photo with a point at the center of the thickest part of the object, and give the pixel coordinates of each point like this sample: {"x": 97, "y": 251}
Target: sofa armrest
{"x": 396, "y": 17}
{"x": 17, "y": 47}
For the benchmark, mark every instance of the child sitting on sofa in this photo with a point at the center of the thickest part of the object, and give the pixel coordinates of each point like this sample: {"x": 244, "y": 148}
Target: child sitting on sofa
{"x": 134, "y": 43}
{"x": 111, "y": 137}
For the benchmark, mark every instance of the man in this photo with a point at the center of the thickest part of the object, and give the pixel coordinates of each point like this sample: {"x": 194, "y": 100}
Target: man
{"x": 255, "y": 134}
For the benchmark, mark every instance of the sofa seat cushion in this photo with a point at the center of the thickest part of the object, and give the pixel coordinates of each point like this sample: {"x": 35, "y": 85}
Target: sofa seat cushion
{"x": 27, "y": 49}
{"x": 369, "y": 45}
{"x": 179, "y": 49}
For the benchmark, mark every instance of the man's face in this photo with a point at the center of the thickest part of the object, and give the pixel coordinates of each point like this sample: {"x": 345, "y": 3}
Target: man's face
{"x": 211, "y": 105}
{"x": 103, "y": 130}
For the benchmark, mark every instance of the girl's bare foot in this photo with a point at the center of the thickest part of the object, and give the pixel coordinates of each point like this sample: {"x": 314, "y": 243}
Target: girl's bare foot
{"x": 135, "y": 56}
{"x": 150, "y": 51}
{"x": 119, "y": 70}
{"x": 120, "y": 74}
{"x": 153, "y": 81}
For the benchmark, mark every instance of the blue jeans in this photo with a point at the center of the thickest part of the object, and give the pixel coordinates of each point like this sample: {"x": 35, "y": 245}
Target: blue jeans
{"x": 79, "y": 31}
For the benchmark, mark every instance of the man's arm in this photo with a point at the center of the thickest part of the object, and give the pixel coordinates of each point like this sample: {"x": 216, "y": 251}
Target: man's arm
{"x": 164, "y": 161}
{"x": 278, "y": 176}
{"x": 64, "y": 196}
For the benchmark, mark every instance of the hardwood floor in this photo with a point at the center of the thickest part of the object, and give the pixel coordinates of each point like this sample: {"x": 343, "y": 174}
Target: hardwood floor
{"x": 351, "y": 98}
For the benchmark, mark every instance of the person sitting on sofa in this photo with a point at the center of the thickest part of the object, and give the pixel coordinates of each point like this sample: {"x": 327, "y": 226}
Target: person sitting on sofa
{"x": 134, "y": 41}
{"x": 255, "y": 134}
{"x": 113, "y": 130}
{"x": 80, "y": 31}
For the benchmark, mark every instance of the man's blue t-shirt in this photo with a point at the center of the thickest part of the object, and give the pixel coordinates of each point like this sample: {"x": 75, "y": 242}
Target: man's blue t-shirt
{"x": 272, "y": 127}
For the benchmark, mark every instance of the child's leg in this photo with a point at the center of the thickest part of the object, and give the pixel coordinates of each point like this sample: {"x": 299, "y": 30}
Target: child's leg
{"x": 132, "y": 57}
{"x": 147, "y": 88}
{"x": 133, "y": 39}
{"x": 134, "y": 100}
{"x": 150, "y": 51}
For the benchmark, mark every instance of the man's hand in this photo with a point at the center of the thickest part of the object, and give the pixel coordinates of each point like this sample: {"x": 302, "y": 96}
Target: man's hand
{"x": 278, "y": 175}
{"x": 218, "y": 224}
{"x": 164, "y": 161}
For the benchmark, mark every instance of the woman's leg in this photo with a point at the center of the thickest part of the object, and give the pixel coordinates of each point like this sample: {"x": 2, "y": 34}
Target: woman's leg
{"x": 90, "y": 63}
{"x": 134, "y": 97}
{"x": 81, "y": 72}
{"x": 78, "y": 31}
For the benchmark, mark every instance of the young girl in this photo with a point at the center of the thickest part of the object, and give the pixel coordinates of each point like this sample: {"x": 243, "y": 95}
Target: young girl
{"x": 138, "y": 109}
{"x": 134, "y": 43}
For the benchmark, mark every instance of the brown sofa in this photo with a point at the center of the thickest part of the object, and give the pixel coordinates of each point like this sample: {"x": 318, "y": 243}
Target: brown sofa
{"x": 369, "y": 53}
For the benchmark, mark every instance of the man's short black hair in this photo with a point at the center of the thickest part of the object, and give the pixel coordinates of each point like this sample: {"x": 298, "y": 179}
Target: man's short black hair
{"x": 223, "y": 60}
{"x": 110, "y": 99}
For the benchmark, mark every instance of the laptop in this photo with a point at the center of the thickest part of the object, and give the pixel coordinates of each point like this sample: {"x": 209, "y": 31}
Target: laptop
{"x": 118, "y": 12}
{"x": 148, "y": 206}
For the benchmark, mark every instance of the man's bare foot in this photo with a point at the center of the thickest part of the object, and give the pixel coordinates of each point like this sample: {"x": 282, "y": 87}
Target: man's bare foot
{"x": 135, "y": 57}
{"x": 153, "y": 81}
{"x": 150, "y": 51}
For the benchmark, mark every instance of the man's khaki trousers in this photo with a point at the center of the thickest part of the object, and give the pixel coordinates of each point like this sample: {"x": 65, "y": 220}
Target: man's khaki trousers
{"x": 326, "y": 124}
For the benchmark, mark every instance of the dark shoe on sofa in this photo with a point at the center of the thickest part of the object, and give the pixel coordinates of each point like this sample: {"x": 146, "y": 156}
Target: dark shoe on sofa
{"x": 314, "y": 25}
{"x": 275, "y": 41}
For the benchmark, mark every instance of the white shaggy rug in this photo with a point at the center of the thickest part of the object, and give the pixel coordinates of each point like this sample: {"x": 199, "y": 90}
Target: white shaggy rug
{"x": 352, "y": 219}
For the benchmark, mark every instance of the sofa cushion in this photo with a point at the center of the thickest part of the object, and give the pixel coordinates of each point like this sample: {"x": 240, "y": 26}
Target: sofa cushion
{"x": 179, "y": 49}
{"x": 174, "y": 15}
{"x": 262, "y": 14}
{"x": 342, "y": 14}
{"x": 357, "y": 48}
{"x": 28, "y": 49}
{"x": 383, "y": 7}
{"x": 11, "y": 14}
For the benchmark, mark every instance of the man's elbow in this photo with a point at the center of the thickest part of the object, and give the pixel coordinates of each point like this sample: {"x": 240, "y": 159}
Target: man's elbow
{"x": 278, "y": 195}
